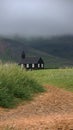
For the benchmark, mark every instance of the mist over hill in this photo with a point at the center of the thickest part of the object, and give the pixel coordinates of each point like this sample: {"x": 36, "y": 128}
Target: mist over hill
{"x": 56, "y": 51}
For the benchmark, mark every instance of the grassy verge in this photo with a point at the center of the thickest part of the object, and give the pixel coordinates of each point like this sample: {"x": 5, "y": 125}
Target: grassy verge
{"x": 62, "y": 78}
{"x": 16, "y": 85}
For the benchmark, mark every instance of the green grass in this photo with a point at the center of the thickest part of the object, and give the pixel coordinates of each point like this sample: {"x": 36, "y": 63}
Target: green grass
{"x": 16, "y": 85}
{"x": 62, "y": 78}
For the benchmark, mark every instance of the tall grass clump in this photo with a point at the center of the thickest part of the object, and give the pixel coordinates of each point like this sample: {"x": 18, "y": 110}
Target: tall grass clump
{"x": 16, "y": 85}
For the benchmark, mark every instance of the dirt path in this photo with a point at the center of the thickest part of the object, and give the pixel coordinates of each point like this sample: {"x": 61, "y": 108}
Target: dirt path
{"x": 48, "y": 111}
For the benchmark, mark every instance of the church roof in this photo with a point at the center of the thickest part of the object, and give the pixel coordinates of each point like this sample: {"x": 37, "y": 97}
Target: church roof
{"x": 30, "y": 60}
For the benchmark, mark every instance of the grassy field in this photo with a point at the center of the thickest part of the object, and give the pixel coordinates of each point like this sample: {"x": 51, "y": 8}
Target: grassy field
{"x": 16, "y": 84}
{"x": 62, "y": 78}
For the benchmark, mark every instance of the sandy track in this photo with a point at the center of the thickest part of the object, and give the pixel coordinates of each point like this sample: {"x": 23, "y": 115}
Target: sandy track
{"x": 48, "y": 111}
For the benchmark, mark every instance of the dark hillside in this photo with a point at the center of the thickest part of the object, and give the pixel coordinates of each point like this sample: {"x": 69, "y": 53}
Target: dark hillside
{"x": 56, "y": 52}
{"x": 10, "y": 49}
{"x": 58, "y": 46}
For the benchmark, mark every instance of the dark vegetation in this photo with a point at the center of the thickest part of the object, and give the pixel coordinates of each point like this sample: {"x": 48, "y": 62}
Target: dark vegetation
{"x": 56, "y": 51}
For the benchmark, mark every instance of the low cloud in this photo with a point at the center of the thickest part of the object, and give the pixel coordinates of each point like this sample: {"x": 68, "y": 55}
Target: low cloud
{"x": 36, "y": 17}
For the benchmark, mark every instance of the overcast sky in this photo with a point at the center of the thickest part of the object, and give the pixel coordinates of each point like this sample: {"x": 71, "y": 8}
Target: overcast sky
{"x": 36, "y": 17}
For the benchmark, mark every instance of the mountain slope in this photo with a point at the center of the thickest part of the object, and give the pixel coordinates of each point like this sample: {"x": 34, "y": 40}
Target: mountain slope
{"x": 58, "y": 46}
{"x": 56, "y": 52}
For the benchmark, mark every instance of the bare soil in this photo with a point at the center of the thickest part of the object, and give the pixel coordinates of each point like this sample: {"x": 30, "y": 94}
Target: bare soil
{"x": 52, "y": 110}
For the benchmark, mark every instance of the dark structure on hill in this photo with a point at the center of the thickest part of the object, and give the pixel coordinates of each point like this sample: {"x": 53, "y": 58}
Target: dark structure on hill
{"x": 31, "y": 62}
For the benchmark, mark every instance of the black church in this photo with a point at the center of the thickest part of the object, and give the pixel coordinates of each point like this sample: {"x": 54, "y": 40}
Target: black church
{"x": 31, "y": 62}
